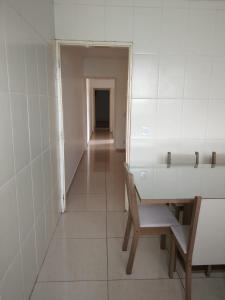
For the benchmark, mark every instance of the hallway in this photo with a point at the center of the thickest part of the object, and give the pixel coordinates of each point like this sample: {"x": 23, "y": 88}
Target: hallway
{"x": 85, "y": 261}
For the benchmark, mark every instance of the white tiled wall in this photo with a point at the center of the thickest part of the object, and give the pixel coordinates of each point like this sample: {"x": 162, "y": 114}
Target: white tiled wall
{"x": 178, "y": 68}
{"x": 124, "y": 16}
{"x": 28, "y": 167}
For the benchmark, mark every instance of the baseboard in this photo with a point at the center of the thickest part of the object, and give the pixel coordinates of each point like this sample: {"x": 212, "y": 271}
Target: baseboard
{"x": 72, "y": 179}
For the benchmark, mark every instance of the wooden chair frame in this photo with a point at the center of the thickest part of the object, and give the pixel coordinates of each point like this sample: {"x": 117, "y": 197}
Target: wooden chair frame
{"x": 187, "y": 257}
{"x": 180, "y": 207}
{"x": 133, "y": 219}
{"x": 169, "y": 159}
{"x": 213, "y": 159}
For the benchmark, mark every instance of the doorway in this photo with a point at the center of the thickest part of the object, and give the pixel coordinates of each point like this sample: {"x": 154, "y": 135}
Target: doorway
{"x": 102, "y": 109}
{"x": 93, "y": 84}
{"x": 81, "y": 66}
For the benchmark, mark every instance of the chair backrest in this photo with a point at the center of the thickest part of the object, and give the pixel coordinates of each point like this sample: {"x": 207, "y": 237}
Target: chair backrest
{"x": 217, "y": 159}
{"x": 132, "y": 197}
{"x": 183, "y": 159}
{"x": 209, "y": 247}
{"x": 193, "y": 226}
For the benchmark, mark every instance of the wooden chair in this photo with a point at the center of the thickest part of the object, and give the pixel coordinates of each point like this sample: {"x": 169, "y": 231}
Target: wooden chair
{"x": 202, "y": 243}
{"x": 217, "y": 159}
{"x": 182, "y": 159}
{"x": 146, "y": 220}
{"x": 213, "y": 160}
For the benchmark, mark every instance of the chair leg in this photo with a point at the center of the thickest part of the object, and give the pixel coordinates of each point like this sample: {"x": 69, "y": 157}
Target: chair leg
{"x": 188, "y": 281}
{"x": 127, "y": 233}
{"x": 208, "y": 271}
{"x": 163, "y": 242}
{"x": 132, "y": 254}
{"x": 172, "y": 262}
{"x": 177, "y": 213}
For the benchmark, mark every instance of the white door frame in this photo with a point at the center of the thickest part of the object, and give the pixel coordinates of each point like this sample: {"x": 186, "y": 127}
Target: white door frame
{"x": 58, "y": 44}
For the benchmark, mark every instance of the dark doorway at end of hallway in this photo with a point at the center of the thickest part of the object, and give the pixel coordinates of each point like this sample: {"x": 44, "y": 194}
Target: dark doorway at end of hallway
{"x": 102, "y": 110}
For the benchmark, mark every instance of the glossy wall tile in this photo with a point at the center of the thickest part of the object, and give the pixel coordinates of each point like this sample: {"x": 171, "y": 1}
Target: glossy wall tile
{"x": 178, "y": 56}
{"x": 26, "y": 91}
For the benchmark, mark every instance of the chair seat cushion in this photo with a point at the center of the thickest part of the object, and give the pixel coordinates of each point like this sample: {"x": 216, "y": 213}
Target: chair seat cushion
{"x": 181, "y": 233}
{"x": 156, "y": 216}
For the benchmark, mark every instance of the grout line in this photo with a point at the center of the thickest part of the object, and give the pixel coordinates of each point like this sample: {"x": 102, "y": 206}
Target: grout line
{"x": 46, "y": 252}
{"x": 145, "y": 279}
{"x": 85, "y": 211}
{"x": 28, "y": 23}
{"x": 71, "y": 281}
{"x": 14, "y": 178}
{"x": 79, "y": 238}
{"x": 97, "y": 211}
{"x": 110, "y": 280}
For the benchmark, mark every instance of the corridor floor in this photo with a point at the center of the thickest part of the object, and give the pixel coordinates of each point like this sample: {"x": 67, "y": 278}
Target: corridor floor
{"x": 85, "y": 261}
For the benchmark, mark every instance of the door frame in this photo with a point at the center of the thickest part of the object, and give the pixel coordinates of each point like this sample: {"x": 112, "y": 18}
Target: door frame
{"x": 58, "y": 90}
{"x": 94, "y": 84}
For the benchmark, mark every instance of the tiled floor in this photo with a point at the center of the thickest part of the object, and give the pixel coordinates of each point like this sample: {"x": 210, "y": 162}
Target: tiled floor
{"x": 85, "y": 261}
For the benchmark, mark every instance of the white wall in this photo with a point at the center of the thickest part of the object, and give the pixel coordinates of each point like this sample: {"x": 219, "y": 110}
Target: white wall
{"x": 100, "y": 84}
{"x": 178, "y": 96}
{"x": 116, "y": 68}
{"x": 28, "y": 173}
{"x": 74, "y": 109}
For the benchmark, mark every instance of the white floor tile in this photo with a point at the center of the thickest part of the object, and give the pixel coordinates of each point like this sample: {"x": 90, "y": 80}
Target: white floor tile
{"x": 208, "y": 289}
{"x": 217, "y": 274}
{"x": 86, "y": 202}
{"x": 89, "y": 183}
{"x": 115, "y": 182}
{"x": 91, "y": 165}
{"x": 116, "y": 224}
{"x": 116, "y": 200}
{"x": 75, "y": 259}
{"x": 85, "y": 290}
{"x": 115, "y": 166}
{"x": 82, "y": 225}
{"x": 164, "y": 289}
{"x": 150, "y": 262}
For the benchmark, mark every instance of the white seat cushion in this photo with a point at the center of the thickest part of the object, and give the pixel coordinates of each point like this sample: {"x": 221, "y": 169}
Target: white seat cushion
{"x": 181, "y": 232}
{"x": 156, "y": 216}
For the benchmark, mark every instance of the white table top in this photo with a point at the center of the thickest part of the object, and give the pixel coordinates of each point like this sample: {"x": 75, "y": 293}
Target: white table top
{"x": 179, "y": 182}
